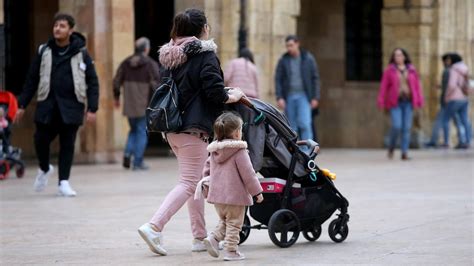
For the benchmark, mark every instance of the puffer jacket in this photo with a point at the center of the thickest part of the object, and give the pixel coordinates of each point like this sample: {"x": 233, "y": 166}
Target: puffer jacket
{"x": 232, "y": 179}
{"x": 457, "y": 74}
{"x": 62, "y": 95}
{"x": 194, "y": 66}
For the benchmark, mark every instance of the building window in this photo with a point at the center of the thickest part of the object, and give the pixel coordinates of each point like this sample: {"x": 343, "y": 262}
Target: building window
{"x": 363, "y": 40}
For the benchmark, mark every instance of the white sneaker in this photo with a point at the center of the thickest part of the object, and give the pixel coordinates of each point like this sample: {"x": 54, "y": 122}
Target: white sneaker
{"x": 198, "y": 246}
{"x": 221, "y": 245}
{"x": 65, "y": 189}
{"x": 153, "y": 239}
{"x": 42, "y": 179}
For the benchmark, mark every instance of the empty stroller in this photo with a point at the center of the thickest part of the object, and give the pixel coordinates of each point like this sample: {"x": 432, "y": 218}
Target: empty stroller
{"x": 299, "y": 196}
{"x": 10, "y": 157}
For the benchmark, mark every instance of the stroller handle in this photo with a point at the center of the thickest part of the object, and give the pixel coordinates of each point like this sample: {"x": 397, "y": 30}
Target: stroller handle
{"x": 312, "y": 145}
{"x": 245, "y": 101}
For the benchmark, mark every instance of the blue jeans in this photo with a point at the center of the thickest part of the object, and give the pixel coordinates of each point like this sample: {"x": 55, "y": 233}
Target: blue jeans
{"x": 298, "y": 111}
{"x": 402, "y": 119}
{"x": 439, "y": 123}
{"x": 459, "y": 108}
{"x": 137, "y": 140}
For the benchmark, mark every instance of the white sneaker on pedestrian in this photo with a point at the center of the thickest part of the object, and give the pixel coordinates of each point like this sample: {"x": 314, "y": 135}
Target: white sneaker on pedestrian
{"x": 221, "y": 245}
{"x": 153, "y": 238}
{"x": 212, "y": 246}
{"x": 198, "y": 246}
{"x": 65, "y": 189}
{"x": 42, "y": 179}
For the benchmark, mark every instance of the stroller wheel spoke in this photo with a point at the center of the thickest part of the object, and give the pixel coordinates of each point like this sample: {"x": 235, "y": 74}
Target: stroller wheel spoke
{"x": 284, "y": 236}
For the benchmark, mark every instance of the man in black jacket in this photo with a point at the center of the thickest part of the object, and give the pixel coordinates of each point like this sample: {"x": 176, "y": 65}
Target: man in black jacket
{"x": 64, "y": 77}
{"x": 297, "y": 86}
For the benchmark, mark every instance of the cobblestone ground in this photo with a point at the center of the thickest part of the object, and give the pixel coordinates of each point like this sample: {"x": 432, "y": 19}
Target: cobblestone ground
{"x": 416, "y": 212}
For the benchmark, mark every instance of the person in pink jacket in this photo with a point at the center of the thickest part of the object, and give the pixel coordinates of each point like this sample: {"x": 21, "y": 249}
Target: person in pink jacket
{"x": 457, "y": 101}
{"x": 232, "y": 184}
{"x": 400, "y": 93}
{"x": 242, "y": 73}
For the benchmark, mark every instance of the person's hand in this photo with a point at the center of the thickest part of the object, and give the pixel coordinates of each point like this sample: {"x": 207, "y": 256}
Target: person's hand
{"x": 19, "y": 115}
{"x": 259, "y": 198}
{"x": 234, "y": 95}
{"x": 117, "y": 104}
{"x": 281, "y": 104}
{"x": 90, "y": 117}
{"x": 314, "y": 103}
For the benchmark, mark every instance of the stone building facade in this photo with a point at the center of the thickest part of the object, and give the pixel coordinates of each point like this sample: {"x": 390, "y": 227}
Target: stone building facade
{"x": 348, "y": 114}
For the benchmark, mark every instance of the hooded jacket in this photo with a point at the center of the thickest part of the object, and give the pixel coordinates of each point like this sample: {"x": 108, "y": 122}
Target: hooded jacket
{"x": 390, "y": 85}
{"x": 195, "y": 68}
{"x": 457, "y": 74}
{"x": 139, "y": 75}
{"x": 62, "y": 94}
{"x": 232, "y": 179}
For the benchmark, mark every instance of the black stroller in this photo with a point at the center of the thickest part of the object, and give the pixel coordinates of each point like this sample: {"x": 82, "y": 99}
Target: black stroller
{"x": 308, "y": 197}
{"x": 10, "y": 157}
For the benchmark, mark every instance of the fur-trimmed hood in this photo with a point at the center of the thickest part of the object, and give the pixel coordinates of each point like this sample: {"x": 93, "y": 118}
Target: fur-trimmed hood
{"x": 223, "y": 150}
{"x": 176, "y": 52}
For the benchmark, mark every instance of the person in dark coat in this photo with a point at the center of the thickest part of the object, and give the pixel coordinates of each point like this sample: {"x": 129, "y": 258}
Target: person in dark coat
{"x": 297, "y": 86}
{"x": 192, "y": 61}
{"x": 138, "y": 74}
{"x": 64, "y": 78}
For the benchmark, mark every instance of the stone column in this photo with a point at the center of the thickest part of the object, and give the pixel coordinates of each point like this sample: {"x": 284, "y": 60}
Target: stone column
{"x": 269, "y": 22}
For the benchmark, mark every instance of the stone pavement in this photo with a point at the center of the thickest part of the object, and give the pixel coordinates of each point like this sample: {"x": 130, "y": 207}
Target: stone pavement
{"x": 416, "y": 212}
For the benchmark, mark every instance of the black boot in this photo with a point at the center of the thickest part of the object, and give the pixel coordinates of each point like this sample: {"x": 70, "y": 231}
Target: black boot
{"x": 126, "y": 162}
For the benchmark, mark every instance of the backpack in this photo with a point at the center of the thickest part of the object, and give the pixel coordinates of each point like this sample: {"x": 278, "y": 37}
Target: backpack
{"x": 163, "y": 114}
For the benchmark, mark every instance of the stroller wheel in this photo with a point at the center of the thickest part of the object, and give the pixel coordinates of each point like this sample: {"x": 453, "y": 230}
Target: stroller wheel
{"x": 4, "y": 169}
{"x": 338, "y": 232}
{"x": 245, "y": 232}
{"x": 284, "y": 228}
{"x": 312, "y": 234}
{"x": 20, "y": 172}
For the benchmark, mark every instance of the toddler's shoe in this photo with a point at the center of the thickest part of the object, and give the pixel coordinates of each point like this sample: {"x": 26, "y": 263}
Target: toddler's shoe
{"x": 153, "y": 238}
{"x": 212, "y": 246}
{"x": 233, "y": 255}
{"x": 198, "y": 246}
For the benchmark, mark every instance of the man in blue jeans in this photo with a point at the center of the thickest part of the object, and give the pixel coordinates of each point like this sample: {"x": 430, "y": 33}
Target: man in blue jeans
{"x": 138, "y": 75}
{"x": 297, "y": 86}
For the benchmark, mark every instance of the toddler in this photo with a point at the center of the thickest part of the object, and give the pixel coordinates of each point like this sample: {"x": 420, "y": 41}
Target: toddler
{"x": 232, "y": 184}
